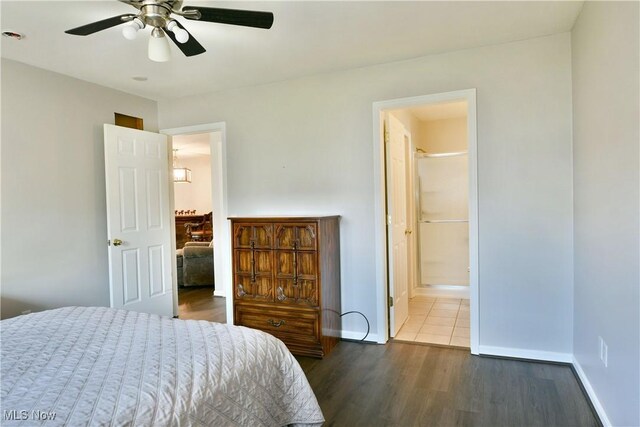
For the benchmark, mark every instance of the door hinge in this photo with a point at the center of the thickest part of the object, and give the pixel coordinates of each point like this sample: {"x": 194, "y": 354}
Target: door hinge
{"x": 386, "y": 136}
{"x": 390, "y": 301}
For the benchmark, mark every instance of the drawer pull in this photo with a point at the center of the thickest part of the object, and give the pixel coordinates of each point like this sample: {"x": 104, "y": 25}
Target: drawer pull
{"x": 295, "y": 263}
{"x": 253, "y": 261}
{"x": 274, "y": 323}
{"x": 241, "y": 291}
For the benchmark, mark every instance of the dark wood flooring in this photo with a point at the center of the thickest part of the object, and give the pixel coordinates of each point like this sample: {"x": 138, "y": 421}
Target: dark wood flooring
{"x": 198, "y": 303}
{"x": 401, "y": 384}
{"x": 415, "y": 385}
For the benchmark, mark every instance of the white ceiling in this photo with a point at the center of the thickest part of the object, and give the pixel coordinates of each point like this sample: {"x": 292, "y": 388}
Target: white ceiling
{"x": 307, "y": 37}
{"x": 194, "y": 145}
{"x": 441, "y": 111}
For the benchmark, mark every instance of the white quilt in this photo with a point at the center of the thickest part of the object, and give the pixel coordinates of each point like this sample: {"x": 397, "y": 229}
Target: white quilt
{"x": 96, "y": 366}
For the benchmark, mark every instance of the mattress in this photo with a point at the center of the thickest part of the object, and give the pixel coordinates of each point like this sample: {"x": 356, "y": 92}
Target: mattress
{"x": 86, "y": 366}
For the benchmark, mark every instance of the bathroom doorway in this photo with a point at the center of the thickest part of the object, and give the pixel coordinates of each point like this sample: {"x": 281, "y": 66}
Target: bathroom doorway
{"x": 434, "y": 257}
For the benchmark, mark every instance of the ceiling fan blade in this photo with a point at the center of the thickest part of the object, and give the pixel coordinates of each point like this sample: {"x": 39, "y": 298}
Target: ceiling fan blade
{"x": 247, "y": 18}
{"x": 191, "y": 48}
{"x": 94, "y": 27}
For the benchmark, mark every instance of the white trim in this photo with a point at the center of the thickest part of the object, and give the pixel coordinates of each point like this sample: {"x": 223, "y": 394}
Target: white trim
{"x": 523, "y": 353}
{"x": 358, "y": 335}
{"x": 591, "y": 393}
{"x": 442, "y": 291}
{"x": 382, "y": 296}
{"x": 172, "y": 224}
{"x": 221, "y": 231}
{"x": 438, "y": 155}
{"x": 217, "y": 293}
{"x": 474, "y": 257}
{"x": 382, "y": 318}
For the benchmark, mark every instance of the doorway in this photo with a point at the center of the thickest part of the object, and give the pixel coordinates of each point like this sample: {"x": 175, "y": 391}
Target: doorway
{"x": 201, "y": 227}
{"x": 193, "y": 207}
{"x": 431, "y": 251}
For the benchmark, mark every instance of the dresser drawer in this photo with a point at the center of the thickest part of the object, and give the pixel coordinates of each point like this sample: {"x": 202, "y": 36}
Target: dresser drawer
{"x": 291, "y": 326}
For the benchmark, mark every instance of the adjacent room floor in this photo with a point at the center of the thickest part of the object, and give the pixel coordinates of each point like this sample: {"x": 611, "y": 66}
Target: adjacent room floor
{"x": 442, "y": 321}
{"x": 198, "y": 303}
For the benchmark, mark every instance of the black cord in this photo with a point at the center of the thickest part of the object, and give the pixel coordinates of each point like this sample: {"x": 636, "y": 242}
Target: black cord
{"x": 365, "y": 318}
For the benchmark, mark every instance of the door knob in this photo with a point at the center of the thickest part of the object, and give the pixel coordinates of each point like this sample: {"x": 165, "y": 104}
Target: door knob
{"x": 117, "y": 242}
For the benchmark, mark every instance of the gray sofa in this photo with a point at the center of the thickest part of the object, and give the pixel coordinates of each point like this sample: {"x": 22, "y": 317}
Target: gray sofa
{"x": 195, "y": 264}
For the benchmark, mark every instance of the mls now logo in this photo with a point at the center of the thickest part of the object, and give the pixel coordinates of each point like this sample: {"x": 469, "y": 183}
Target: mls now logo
{"x": 13, "y": 415}
{"x": 16, "y": 415}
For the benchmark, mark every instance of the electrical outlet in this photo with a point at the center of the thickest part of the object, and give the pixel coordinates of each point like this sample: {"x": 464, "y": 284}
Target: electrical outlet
{"x": 604, "y": 352}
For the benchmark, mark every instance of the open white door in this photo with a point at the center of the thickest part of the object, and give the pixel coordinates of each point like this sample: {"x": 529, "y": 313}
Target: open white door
{"x": 397, "y": 223}
{"x": 138, "y": 220}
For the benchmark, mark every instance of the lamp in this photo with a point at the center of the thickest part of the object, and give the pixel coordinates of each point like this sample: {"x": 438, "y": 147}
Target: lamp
{"x": 182, "y": 36}
{"x": 130, "y": 31}
{"x": 159, "y": 50}
{"x": 181, "y": 175}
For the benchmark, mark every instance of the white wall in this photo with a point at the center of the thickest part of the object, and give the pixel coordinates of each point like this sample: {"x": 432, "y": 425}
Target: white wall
{"x": 54, "y": 229}
{"x": 197, "y": 194}
{"x": 408, "y": 120}
{"x": 305, "y": 147}
{"x": 443, "y": 136}
{"x": 605, "y": 58}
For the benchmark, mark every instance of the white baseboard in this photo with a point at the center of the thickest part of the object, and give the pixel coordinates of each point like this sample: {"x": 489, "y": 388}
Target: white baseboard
{"x": 443, "y": 291}
{"x": 522, "y": 353}
{"x": 358, "y": 335}
{"x": 217, "y": 293}
{"x": 592, "y": 394}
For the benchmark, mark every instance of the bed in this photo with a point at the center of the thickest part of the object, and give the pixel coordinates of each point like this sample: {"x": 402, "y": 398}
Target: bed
{"x": 86, "y": 366}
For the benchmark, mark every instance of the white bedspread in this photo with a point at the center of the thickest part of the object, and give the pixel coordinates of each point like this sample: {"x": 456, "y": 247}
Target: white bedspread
{"x": 98, "y": 366}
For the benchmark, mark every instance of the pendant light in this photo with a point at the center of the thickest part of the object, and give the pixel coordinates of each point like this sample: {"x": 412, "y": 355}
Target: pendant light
{"x": 181, "y": 175}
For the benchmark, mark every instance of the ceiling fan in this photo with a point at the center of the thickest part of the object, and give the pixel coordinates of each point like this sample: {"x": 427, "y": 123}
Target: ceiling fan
{"x": 157, "y": 14}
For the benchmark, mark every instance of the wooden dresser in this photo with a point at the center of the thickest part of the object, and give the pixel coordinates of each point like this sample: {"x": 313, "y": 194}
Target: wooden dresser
{"x": 286, "y": 274}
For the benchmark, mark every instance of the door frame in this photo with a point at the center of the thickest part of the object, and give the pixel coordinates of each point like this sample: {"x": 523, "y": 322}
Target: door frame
{"x": 221, "y": 230}
{"x": 380, "y": 231}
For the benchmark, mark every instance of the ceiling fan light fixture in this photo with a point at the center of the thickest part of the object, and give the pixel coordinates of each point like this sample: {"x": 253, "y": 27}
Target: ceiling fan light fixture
{"x": 158, "y": 14}
{"x": 182, "y": 36}
{"x": 130, "y": 31}
{"x": 159, "y": 50}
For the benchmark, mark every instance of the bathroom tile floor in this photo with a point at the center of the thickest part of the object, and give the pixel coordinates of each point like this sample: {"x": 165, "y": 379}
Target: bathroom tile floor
{"x": 442, "y": 321}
